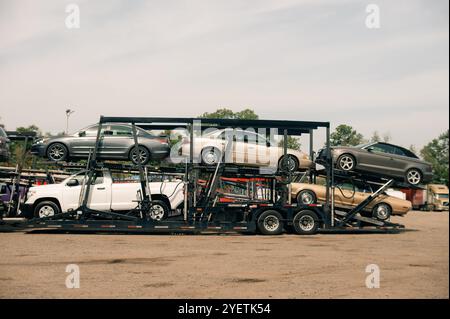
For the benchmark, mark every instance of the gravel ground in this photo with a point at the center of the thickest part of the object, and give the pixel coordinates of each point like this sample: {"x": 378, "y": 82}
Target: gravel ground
{"x": 413, "y": 264}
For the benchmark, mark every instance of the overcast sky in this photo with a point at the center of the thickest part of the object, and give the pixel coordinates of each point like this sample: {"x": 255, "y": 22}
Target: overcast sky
{"x": 286, "y": 59}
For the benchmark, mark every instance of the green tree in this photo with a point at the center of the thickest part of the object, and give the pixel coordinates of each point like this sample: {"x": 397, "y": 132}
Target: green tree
{"x": 436, "y": 153}
{"x": 413, "y": 149}
{"x": 375, "y": 137}
{"x": 387, "y": 137}
{"x": 30, "y": 128}
{"x": 225, "y": 113}
{"x": 292, "y": 143}
{"x": 345, "y": 135}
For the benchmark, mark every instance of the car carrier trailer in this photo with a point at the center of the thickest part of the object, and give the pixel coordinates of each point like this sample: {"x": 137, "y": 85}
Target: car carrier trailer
{"x": 203, "y": 212}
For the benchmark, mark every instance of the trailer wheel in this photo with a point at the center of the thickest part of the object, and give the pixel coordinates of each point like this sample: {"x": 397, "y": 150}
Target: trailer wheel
{"x": 306, "y": 222}
{"x": 159, "y": 210}
{"x": 46, "y": 209}
{"x": 270, "y": 223}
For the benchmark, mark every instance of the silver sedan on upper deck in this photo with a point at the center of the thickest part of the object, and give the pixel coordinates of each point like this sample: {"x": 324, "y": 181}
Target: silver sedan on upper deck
{"x": 116, "y": 143}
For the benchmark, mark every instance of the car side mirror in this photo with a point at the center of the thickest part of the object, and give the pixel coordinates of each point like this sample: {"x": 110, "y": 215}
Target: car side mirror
{"x": 370, "y": 149}
{"x": 268, "y": 144}
{"x": 72, "y": 182}
{"x": 82, "y": 133}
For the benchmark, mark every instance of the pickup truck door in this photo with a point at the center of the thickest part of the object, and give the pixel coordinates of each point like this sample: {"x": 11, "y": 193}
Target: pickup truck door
{"x": 99, "y": 195}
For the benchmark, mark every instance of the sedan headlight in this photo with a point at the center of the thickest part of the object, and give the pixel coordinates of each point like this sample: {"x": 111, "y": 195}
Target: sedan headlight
{"x": 41, "y": 141}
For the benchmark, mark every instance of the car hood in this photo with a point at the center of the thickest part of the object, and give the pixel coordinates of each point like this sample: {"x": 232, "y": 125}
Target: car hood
{"x": 45, "y": 188}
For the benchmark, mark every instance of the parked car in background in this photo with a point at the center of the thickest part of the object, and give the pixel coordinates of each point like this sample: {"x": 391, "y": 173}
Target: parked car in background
{"x": 117, "y": 143}
{"x": 382, "y": 159}
{"x": 347, "y": 196}
{"x": 433, "y": 198}
{"x": 4, "y": 146}
{"x": 248, "y": 148}
{"x": 107, "y": 194}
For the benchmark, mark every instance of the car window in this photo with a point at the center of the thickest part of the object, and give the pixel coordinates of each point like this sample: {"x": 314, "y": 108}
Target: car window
{"x": 399, "y": 151}
{"x": 91, "y": 131}
{"x": 347, "y": 186}
{"x": 383, "y": 148}
{"x": 406, "y": 152}
{"x": 98, "y": 178}
{"x": 120, "y": 130}
{"x": 364, "y": 189}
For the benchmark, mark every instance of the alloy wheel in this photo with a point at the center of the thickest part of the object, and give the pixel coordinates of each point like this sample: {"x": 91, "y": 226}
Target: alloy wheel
{"x": 57, "y": 152}
{"x": 346, "y": 162}
{"x": 210, "y": 157}
{"x": 382, "y": 212}
{"x": 140, "y": 156}
{"x": 306, "y": 198}
{"x": 413, "y": 177}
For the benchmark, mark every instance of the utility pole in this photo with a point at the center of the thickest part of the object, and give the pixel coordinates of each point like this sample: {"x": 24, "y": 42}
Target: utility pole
{"x": 68, "y": 113}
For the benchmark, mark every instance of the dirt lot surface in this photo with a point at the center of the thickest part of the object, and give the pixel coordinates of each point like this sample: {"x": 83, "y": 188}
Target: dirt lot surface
{"x": 413, "y": 264}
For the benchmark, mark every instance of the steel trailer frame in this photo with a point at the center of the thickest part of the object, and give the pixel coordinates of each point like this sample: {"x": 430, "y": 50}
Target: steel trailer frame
{"x": 199, "y": 215}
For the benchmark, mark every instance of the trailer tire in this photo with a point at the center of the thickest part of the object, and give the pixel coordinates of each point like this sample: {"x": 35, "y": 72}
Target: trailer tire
{"x": 270, "y": 222}
{"x": 306, "y": 222}
{"x": 46, "y": 209}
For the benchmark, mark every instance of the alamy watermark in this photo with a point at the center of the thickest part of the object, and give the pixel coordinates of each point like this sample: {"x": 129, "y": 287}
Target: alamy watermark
{"x": 373, "y": 16}
{"x": 373, "y": 279}
{"x": 73, "y": 279}
{"x": 72, "y": 20}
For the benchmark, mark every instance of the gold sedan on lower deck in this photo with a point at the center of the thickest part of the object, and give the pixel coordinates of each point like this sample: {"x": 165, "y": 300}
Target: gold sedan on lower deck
{"x": 347, "y": 196}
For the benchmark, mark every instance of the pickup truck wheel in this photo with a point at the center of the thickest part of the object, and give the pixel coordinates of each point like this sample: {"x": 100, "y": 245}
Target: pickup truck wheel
{"x": 270, "y": 223}
{"x": 159, "y": 210}
{"x": 46, "y": 209}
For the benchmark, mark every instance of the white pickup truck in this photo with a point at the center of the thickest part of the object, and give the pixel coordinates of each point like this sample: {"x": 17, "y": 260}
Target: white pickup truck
{"x": 106, "y": 194}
